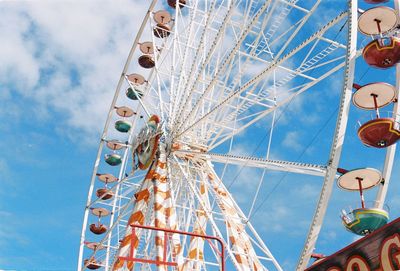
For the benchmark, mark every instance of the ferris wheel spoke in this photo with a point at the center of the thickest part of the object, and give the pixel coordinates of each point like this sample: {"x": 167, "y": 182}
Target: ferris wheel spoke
{"x": 262, "y": 75}
{"x": 222, "y": 69}
{"x": 265, "y": 43}
{"x": 250, "y": 99}
{"x": 303, "y": 21}
{"x": 226, "y": 60}
{"x": 227, "y": 204}
{"x": 253, "y": 53}
{"x": 177, "y": 43}
{"x": 179, "y": 92}
{"x": 260, "y": 40}
{"x": 228, "y": 210}
{"x": 311, "y": 64}
{"x": 278, "y": 165}
{"x": 186, "y": 98}
{"x": 218, "y": 140}
{"x": 306, "y": 65}
{"x": 184, "y": 81}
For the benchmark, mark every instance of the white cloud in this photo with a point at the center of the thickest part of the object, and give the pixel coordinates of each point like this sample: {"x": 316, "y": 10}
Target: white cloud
{"x": 9, "y": 236}
{"x": 308, "y": 191}
{"x": 65, "y": 57}
{"x": 291, "y": 140}
{"x": 274, "y": 224}
{"x": 18, "y": 63}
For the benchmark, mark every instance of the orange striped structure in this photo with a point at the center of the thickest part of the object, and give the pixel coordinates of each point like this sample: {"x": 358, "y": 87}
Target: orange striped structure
{"x": 165, "y": 214}
{"x": 137, "y": 217}
{"x": 196, "y": 246}
{"x": 245, "y": 256}
{"x": 164, "y": 218}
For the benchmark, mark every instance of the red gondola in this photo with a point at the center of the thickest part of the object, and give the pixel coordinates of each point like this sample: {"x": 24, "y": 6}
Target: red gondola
{"x": 383, "y": 52}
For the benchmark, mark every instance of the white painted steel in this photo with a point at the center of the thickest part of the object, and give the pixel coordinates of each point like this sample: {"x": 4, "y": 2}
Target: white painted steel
{"x": 205, "y": 94}
{"x": 338, "y": 140}
{"x": 99, "y": 152}
{"x": 285, "y": 166}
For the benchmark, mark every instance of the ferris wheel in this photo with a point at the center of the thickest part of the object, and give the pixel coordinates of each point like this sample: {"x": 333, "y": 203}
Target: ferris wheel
{"x": 201, "y": 77}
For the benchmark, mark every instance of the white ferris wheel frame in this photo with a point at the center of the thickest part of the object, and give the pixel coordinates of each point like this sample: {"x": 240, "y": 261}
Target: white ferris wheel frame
{"x": 327, "y": 171}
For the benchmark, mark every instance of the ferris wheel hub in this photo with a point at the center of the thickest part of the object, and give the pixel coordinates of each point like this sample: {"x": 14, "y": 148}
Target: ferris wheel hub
{"x": 147, "y": 141}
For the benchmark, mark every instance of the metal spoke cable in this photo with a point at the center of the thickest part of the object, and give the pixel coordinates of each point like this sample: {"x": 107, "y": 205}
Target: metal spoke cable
{"x": 298, "y": 158}
{"x": 312, "y": 141}
{"x": 185, "y": 100}
{"x": 266, "y": 157}
{"x": 261, "y": 142}
{"x": 253, "y": 52}
{"x": 264, "y": 137}
{"x": 301, "y": 68}
{"x": 230, "y": 145}
{"x": 364, "y": 74}
{"x": 209, "y": 18}
{"x": 225, "y": 62}
{"x": 256, "y": 79}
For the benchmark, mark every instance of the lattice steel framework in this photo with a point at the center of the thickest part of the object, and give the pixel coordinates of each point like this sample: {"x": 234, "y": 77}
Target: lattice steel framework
{"x": 224, "y": 67}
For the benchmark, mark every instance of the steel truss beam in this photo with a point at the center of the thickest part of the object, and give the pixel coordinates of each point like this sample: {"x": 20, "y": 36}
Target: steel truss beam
{"x": 278, "y": 165}
{"x": 262, "y": 75}
{"x": 338, "y": 140}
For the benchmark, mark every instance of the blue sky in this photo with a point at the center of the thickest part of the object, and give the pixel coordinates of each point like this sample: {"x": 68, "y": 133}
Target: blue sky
{"x": 59, "y": 65}
{"x": 60, "y": 62}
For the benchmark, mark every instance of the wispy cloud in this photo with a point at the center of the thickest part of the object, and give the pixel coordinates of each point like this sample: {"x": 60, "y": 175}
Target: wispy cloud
{"x": 292, "y": 140}
{"x": 62, "y": 59}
